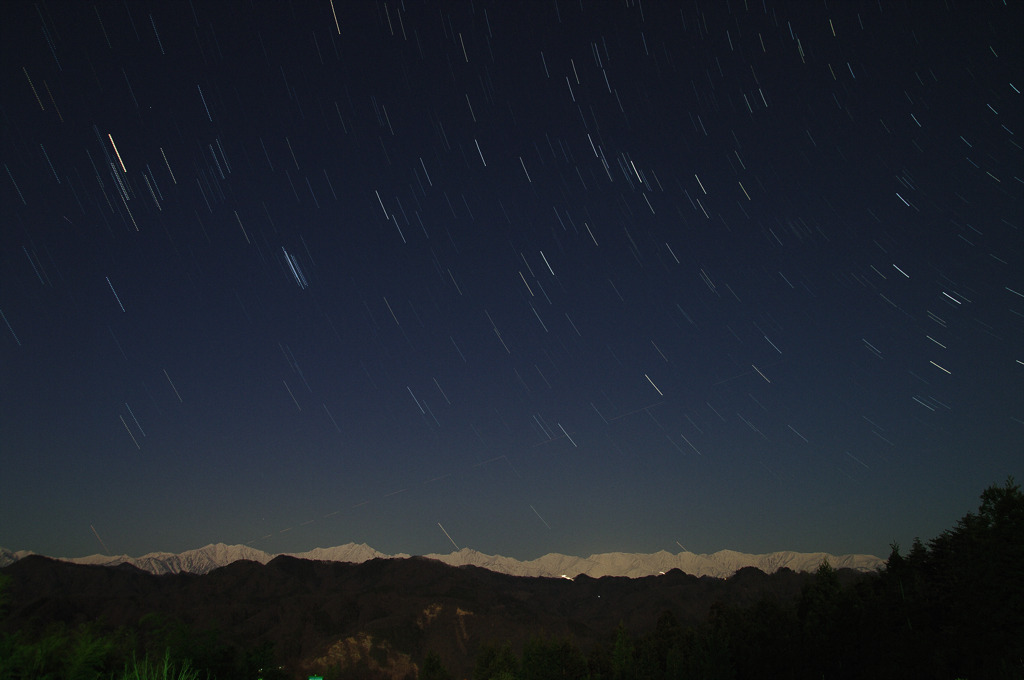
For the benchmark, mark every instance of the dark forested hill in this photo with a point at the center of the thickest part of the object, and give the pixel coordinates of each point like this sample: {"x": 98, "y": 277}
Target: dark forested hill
{"x": 951, "y": 608}
{"x": 307, "y": 610}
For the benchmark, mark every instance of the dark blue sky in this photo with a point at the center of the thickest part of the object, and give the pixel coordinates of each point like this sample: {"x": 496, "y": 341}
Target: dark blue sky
{"x": 572, "y": 277}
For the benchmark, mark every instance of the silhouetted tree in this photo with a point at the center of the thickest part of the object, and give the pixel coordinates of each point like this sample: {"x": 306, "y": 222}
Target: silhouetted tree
{"x": 495, "y": 662}
{"x": 656, "y": 648}
{"x": 544, "y": 659}
{"x": 623, "y": 661}
{"x": 5, "y": 594}
{"x": 818, "y": 611}
{"x": 709, "y": 655}
{"x": 976, "y": 574}
{"x": 433, "y": 669}
{"x": 959, "y": 601}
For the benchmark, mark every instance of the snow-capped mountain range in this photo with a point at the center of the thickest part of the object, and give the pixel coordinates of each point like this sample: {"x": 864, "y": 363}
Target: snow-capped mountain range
{"x": 721, "y": 564}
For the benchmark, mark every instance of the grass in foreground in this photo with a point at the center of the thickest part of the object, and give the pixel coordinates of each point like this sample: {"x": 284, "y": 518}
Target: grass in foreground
{"x": 164, "y": 669}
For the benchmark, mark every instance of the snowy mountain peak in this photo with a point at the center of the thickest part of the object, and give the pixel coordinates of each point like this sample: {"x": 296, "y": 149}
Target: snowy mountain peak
{"x": 721, "y": 564}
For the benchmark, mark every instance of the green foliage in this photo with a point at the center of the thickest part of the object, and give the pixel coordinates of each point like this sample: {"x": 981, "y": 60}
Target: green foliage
{"x": 165, "y": 669}
{"x": 84, "y": 653}
{"x": 495, "y": 662}
{"x": 653, "y": 651}
{"x": 260, "y": 662}
{"x": 504, "y": 675}
{"x": 433, "y": 669}
{"x": 89, "y": 652}
{"x": 623, "y": 655}
{"x": 81, "y": 654}
{"x": 203, "y": 650}
{"x": 545, "y": 658}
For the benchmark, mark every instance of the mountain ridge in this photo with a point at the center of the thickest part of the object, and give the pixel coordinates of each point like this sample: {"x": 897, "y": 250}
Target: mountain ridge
{"x": 721, "y": 564}
{"x": 310, "y": 615}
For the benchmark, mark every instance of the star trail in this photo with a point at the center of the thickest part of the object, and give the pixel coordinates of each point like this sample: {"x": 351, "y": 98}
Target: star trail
{"x": 536, "y": 277}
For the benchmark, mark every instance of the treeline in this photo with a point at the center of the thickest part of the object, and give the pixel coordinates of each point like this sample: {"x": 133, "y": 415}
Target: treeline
{"x": 953, "y": 608}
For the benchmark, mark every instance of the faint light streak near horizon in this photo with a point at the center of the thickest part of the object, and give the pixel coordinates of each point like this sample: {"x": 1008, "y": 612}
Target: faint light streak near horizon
{"x": 105, "y": 548}
{"x": 567, "y": 435}
{"x": 128, "y": 430}
{"x": 172, "y": 386}
{"x": 540, "y": 518}
{"x": 449, "y": 537}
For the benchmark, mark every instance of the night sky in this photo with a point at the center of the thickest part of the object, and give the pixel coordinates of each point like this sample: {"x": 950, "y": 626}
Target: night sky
{"x": 561, "y": 276}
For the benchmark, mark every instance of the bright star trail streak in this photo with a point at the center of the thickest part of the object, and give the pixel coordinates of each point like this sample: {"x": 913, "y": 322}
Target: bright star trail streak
{"x": 335, "y": 15}
{"x": 111, "y": 137}
{"x": 115, "y": 294}
{"x": 567, "y": 435}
